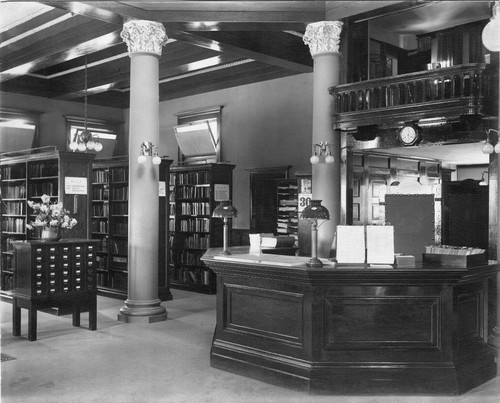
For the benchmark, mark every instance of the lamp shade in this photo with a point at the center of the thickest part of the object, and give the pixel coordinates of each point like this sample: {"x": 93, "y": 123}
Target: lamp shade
{"x": 491, "y": 32}
{"x": 315, "y": 211}
{"x": 225, "y": 210}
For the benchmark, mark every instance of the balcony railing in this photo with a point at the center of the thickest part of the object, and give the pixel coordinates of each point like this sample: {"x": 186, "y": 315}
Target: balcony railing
{"x": 441, "y": 93}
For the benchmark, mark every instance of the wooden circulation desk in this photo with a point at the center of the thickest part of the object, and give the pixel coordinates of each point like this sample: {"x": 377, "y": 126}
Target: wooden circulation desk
{"x": 351, "y": 329}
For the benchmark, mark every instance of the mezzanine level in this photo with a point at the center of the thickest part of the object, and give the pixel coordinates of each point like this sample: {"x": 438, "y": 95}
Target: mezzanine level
{"x": 446, "y": 94}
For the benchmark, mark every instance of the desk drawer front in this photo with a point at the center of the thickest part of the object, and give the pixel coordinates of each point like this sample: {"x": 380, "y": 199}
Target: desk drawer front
{"x": 54, "y": 269}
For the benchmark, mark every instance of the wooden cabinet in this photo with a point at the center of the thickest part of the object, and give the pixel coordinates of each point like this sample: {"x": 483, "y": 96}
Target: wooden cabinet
{"x": 195, "y": 191}
{"x": 64, "y": 176}
{"x": 110, "y": 212}
{"x": 54, "y": 274}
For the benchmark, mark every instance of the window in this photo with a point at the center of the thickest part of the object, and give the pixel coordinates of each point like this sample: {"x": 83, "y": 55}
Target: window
{"x": 198, "y": 136}
{"x": 18, "y": 130}
{"x": 103, "y": 132}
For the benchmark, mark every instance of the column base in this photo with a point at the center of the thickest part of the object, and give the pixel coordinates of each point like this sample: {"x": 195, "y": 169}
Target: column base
{"x": 142, "y": 312}
{"x": 494, "y": 342}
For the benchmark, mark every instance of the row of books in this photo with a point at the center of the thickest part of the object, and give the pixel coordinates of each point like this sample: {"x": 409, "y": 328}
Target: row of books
{"x": 15, "y": 207}
{"x": 193, "y": 192}
{"x": 119, "y": 174}
{"x": 453, "y": 250}
{"x": 14, "y": 172}
{"x": 193, "y": 178}
{"x": 11, "y": 224}
{"x": 194, "y": 224}
{"x": 43, "y": 169}
{"x": 44, "y": 188}
{"x": 101, "y": 210}
{"x": 100, "y": 193}
{"x": 195, "y": 208}
{"x": 191, "y": 276}
{"x": 120, "y": 193}
{"x": 99, "y": 226}
{"x": 119, "y": 209}
{"x": 191, "y": 258}
{"x": 117, "y": 280}
{"x": 100, "y": 175}
{"x": 14, "y": 192}
{"x": 195, "y": 241}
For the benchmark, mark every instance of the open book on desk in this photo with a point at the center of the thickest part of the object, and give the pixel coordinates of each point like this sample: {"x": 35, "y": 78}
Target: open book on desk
{"x": 372, "y": 244}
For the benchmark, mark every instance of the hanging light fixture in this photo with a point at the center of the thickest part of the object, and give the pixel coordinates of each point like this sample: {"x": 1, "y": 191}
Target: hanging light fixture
{"x": 83, "y": 138}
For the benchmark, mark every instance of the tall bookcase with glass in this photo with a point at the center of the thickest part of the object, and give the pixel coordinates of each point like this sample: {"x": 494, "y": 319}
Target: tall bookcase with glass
{"x": 110, "y": 214}
{"x": 25, "y": 176}
{"x": 195, "y": 192}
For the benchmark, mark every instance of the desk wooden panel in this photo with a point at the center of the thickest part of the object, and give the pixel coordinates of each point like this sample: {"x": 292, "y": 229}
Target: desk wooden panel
{"x": 353, "y": 330}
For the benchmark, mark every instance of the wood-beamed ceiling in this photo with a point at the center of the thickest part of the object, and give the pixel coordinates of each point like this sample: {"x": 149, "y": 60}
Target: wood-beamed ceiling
{"x": 213, "y": 45}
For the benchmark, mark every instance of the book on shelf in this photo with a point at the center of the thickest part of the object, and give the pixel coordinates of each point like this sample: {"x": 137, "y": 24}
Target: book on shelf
{"x": 279, "y": 241}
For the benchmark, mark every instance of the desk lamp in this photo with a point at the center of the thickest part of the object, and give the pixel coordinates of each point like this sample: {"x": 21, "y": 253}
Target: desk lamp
{"x": 225, "y": 211}
{"x": 314, "y": 212}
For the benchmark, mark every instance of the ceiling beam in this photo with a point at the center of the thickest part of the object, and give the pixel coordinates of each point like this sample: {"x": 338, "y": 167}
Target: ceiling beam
{"x": 213, "y": 44}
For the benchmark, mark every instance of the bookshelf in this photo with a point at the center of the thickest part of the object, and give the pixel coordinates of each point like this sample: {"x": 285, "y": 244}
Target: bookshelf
{"x": 287, "y": 221}
{"x": 195, "y": 191}
{"x": 27, "y": 176}
{"x": 110, "y": 189}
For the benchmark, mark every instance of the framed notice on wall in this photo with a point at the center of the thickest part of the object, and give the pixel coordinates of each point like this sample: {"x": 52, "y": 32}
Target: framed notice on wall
{"x": 75, "y": 185}
{"x": 221, "y": 192}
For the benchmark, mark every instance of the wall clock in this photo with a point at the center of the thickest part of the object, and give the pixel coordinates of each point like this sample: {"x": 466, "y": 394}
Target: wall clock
{"x": 410, "y": 135}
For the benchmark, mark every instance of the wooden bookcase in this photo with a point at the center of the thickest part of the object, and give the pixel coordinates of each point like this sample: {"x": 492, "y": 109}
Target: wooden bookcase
{"x": 195, "y": 191}
{"x": 110, "y": 189}
{"x": 287, "y": 221}
{"x": 27, "y": 176}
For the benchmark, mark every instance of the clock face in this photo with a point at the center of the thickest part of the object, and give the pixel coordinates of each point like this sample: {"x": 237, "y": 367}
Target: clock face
{"x": 408, "y": 135}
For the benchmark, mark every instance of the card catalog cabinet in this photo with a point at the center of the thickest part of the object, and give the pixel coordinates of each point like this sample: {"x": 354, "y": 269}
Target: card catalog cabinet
{"x": 51, "y": 269}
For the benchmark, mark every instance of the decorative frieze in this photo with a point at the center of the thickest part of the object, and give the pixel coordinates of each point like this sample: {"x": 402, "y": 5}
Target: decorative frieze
{"x": 143, "y": 36}
{"x": 323, "y": 37}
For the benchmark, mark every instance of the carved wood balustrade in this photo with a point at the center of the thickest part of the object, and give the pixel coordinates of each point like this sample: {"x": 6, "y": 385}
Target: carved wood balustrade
{"x": 447, "y": 93}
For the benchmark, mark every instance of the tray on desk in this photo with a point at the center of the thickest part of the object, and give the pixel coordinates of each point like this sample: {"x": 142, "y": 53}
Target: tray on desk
{"x": 459, "y": 261}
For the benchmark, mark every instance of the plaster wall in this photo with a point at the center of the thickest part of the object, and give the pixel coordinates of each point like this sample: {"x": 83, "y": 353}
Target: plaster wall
{"x": 265, "y": 124}
{"x": 52, "y": 116}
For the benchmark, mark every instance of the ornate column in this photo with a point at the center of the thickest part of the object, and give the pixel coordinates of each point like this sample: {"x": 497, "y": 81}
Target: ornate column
{"x": 145, "y": 40}
{"x": 490, "y": 40}
{"x": 323, "y": 39}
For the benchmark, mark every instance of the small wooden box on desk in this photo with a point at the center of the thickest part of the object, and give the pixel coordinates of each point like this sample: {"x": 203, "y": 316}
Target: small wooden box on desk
{"x": 50, "y": 274}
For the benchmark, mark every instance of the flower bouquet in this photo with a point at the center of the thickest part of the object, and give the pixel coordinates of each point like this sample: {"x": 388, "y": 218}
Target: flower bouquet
{"x": 51, "y": 217}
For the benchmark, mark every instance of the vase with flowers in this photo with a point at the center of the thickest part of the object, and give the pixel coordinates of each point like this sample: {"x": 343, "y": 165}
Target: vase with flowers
{"x": 51, "y": 218}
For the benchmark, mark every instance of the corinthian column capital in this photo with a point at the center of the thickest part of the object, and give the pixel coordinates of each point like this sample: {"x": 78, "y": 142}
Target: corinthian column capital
{"x": 143, "y": 36}
{"x": 323, "y": 37}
